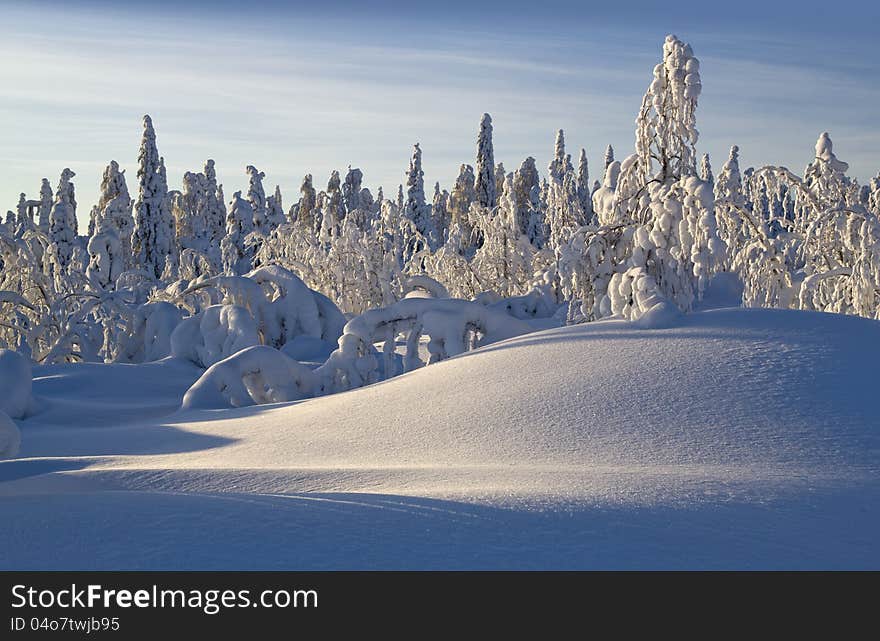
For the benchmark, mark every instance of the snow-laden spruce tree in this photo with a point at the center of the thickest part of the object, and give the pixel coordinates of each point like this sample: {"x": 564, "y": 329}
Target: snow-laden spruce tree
{"x": 583, "y": 185}
{"x": 484, "y": 185}
{"x": 152, "y": 239}
{"x": 275, "y": 210}
{"x": 214, "y": 211}
{"x": 416, "y": 210}
{"x": 305, "y": 210}
{"x": 22, "y": 218}
{"x": 460, "y": 199}
{"x": 609, "y": 156}
{"x": 351, "y": 189}
{"x": 331, "y": 209}
{"x": 440, "y": 213}
{"x": 506, "y": 259}
{"x": 500, "y": 179}
{"x": 109, "y": 245}
{"x": 527, "y": 211}
{"x": 114, "y": 208}
{"x": 564, "y": 211}
{"x": 187, "y": 208}
{"x": 239, "y": 225}
{"x": 62, "y": 235}
{"x": 556, "y": 168}
{"x": 46, "y": 200}
{"x": 256, "y": 196}
{"x": 706, "y": 171}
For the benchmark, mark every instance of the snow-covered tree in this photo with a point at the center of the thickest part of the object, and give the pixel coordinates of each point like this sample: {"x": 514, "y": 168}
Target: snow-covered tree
{"x": 305, "y": 212}
{"x": 609, "y": 156}
{"x": 461, "y": 196}
{"x": 500, "y": 179}
{"x": 239, "y": 224}
{"x": 440, "y": 213}
{"x": 583, "y": 185}
{"x": 484, "y": 186}
{"x": 275, "y": 209}
{"x": 415, "y": 208}
{"x": 152, "y": 238}
{"x": 62, "y": 236}
{"x": 556, "y": 168}
{"x": 257, "y": 198}
{"x": 45, "y": 205}
{"x": 706, "y": 170}
{"x": 351, "y": 189}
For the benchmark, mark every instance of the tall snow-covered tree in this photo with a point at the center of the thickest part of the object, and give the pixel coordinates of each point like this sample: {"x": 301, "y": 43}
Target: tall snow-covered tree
{"x": 114, "y": 209}
{"x": 22, "y": 210}
{"x": 152, "y": 239}
{"x": 666, "y": 133}
{"x": 257, "y": 198}
{"x": 486, "y": 191}
{"x": 415, "y": 208}
{"x": 706, "y": 170}
{"x": 45, "y": 205}
{"x": 62, "y": 237}
{"x": 351, "y": 189}
{"x": 525, "y": 202}
{"x": 233, "y": 247}
{"x": 462, "y": 195}
{"x": 275, "y": 209}
{"x": 556, "y": 168}
{"x": 609, "y": 156}
{"x": 440, "y": 212}
{"x": 329, "y": 211}
{"x": 500, "y": 180}
{"x": 305, "y": 213}
{"x": 583, "y": 185}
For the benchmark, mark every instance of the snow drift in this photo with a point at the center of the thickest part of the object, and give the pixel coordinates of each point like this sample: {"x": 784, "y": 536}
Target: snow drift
{"x": 737, "y": 438}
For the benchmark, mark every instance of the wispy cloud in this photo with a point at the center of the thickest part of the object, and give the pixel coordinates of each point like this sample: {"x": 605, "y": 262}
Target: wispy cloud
{"x": 304, "y": 94}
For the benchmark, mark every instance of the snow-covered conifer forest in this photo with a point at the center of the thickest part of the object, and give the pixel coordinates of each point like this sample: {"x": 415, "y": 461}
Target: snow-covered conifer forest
{"x": 616, "y": 301}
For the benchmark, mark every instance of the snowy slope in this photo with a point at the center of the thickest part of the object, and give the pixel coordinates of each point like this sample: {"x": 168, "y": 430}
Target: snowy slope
{"x": 738, "y": 438}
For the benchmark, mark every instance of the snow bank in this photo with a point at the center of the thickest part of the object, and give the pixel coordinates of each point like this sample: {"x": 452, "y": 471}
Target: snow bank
{"x": 214, "y": 334}
{"x": 10, "y": 437}
{"x": 15, "y": 384}
{"x": 739, "y": 438}
{"x": 253, "y": 376}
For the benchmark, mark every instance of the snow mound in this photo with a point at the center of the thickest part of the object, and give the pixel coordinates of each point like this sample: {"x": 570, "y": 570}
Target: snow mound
{"x": 254, "y": 376}
{"x": 10, "y": 437}
{"x": 15, "y": 383}
{"x": 736, "y": 438}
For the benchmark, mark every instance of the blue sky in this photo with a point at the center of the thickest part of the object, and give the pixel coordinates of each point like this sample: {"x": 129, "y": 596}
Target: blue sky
{"x": 294, "y": 88}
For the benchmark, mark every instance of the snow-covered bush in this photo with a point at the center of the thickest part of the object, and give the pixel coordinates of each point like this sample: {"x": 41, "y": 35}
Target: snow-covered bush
{"x": 253, "y": 376}
{"x": 452, "y": 326}
{"x": 214, "y": 334}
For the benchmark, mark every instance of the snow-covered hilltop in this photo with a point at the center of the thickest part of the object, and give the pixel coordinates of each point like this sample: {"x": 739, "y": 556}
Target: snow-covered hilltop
{"x": 514, "y": 371}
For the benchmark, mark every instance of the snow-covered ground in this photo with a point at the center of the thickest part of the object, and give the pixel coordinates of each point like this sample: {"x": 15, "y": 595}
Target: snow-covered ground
{"x": 734, "y": 439}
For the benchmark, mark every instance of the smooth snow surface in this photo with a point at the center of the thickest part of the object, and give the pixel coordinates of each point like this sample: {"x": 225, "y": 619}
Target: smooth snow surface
{"x": 735, "y": 439}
